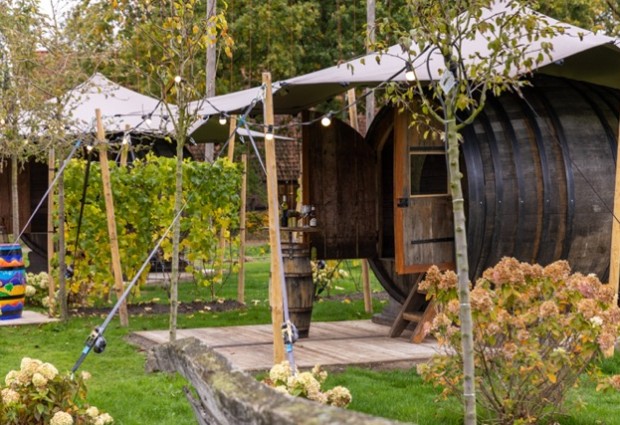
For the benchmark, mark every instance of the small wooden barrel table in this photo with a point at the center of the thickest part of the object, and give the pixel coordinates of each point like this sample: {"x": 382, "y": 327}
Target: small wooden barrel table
{"x": 299, "y": 283}
{"x": 12, "y": 281}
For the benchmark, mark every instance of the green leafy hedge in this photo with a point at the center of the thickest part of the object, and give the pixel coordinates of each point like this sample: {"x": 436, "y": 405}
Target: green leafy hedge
{"x": 143, "y": 203}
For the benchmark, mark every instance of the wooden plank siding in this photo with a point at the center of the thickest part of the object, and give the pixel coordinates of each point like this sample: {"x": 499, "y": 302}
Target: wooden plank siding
{"x": 340, "y": 180}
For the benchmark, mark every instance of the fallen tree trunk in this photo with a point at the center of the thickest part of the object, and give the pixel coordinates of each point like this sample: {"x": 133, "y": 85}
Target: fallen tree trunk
{"x": 230, "y": 396}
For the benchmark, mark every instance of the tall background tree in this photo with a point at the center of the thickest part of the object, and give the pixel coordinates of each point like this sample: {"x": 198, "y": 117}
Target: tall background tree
{"x": 20, "y": 29}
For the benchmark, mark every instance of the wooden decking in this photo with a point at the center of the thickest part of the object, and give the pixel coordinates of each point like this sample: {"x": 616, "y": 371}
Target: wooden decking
{"x": 331, "y": 344}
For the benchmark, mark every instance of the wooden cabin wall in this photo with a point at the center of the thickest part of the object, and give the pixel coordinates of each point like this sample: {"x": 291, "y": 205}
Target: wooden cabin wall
{"x": 340, "y": 180}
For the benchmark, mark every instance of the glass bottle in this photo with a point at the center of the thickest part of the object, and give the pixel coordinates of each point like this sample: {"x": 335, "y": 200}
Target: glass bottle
{"x": 312, "y": 222}
{"x": 284, "y": 216}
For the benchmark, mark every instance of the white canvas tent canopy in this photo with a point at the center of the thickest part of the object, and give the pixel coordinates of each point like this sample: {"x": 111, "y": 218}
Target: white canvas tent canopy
{"x": 120, "y": 107}
{"x": 577, "y": 54}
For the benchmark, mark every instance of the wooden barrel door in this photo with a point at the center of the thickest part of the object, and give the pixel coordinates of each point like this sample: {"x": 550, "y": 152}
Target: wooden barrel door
{"x": 423, "y": 223}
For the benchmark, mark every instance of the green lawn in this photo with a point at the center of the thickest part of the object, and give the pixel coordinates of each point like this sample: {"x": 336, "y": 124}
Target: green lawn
{"x": 121, "y": 387}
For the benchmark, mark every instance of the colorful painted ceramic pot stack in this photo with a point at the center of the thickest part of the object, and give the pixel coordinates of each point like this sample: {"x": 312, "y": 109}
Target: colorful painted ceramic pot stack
{"x": 12, "y": 281}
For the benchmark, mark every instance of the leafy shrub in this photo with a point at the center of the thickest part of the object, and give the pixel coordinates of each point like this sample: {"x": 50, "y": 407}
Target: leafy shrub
{"x": 256, "y": 223}
{"x": 325, "y": 273}
{"x": 37, "y": 394}
{"x": 306, "y": 385}
{"x": 144, "y": 204}
{"x": 37, "y": 289}
{"x": 535, "y": 331}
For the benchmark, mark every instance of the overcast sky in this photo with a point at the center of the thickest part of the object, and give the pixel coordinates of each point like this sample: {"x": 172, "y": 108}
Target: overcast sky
{"x": 61, "y": 6}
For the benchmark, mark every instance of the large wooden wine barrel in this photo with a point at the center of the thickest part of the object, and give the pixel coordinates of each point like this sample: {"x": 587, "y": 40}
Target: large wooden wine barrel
{"x": 299, "y": 285}
{"x": 12, "y": 282}
{"x": 538, "y": 180}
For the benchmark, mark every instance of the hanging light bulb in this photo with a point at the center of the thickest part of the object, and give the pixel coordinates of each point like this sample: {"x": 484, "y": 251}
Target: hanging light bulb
{"x": 89, "y": 148}
{"x": 26, "y": 141}
{"x": 178, "y": 79}
{"x": 222, "y": 120}
{"x": 326, "y": 120}
{"x": 269, "y": 133}
{"x": 147, "y": 119}
{"x": 409, "y": 74}
{"x": 125, "y": 139}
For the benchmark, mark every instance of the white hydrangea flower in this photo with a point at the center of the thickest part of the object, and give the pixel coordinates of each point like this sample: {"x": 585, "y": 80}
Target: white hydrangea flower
{"x": 48, "y": 370}
{"x": 280, "y": 372}
{"x": 61, "y": 418}
{"x": 596, "y": 321}
{"x": 306, "y": 383}
{"x": 281, "y": 389}
{"x": 319, "y": 373}
{"x": 43, "y": 279}
{"x": 45, "y": 301}
{"x": 104, "y": 419}
{"x": 9, "y": 396}
{"x": 11, "y": 378}
{"x": 30, "y": 366}
{"x": 92, "y": 411}
{"x": 39, "y": 380}
{"x": 339, "y": 396}
{"x": 30, "y": 291}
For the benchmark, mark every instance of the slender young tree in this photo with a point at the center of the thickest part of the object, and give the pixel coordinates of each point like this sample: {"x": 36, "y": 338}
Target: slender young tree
{"x": 472, "y": 49}
{"x": 176, "y": 35}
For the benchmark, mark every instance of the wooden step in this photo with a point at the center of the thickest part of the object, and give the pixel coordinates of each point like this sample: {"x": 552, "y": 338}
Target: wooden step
{"x": 413, "y": 316}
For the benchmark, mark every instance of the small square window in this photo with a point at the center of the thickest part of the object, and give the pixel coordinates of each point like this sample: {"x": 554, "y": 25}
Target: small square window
{"x": 429, "y": 174}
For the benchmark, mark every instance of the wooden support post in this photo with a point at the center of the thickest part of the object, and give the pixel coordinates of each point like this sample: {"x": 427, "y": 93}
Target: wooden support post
{"x": 232, "y": 132}
{"x": 109, "y": 208}
{"x": 614, "y": 254}
{"x": 365, "y": 275}
{"x": 125, "y": 146}
{"x": 51, "y": 286}
{"x": 241, "y": 274}
{"x": 277, "y": 268}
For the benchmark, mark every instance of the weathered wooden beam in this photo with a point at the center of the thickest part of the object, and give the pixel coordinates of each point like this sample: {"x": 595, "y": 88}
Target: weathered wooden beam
{"x": 119, "y": 285}
{"x": 277, "y": 271}
{"x": 229, "y": 396}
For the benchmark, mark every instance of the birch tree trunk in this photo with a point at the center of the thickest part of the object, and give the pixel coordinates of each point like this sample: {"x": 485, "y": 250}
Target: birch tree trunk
{"x": 462, "y": 268}
{"x": 176, "y": 240}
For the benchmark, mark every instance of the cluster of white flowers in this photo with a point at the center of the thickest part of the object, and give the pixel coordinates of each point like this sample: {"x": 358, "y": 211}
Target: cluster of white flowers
{"x": 31, "y": 371}
{"x": 37, "y": 289}
{"x": 30, "y": 291}
{"x": 280, "y": 372}
{"x": 9, "y": 396}
{"x": 596, "y": 321}
{"x": 338, "y": 396}
{"x": 103, "y": 419}
{"x": 306, "y": 385}
{"x": 38, "y": 281}
{"x": 61, "y": 418}
{"x": 97, "y": 417}
{"x": 35, "y": 378}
